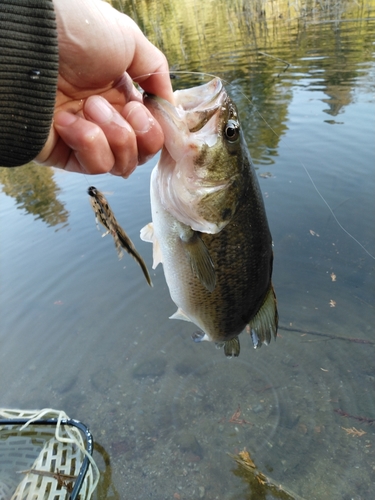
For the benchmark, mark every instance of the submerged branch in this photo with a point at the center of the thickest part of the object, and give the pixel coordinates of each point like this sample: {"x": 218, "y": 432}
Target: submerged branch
{"x": 326, "y": 335}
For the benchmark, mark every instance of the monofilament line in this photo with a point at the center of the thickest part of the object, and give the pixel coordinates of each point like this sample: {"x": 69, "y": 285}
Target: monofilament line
{"x": 319, "y": 193}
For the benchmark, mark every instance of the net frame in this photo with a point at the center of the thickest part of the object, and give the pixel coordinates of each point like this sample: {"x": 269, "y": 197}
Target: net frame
{"x": 56, "y": 452}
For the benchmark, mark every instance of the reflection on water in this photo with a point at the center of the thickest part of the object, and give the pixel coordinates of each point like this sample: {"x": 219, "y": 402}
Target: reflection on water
{"x": 83, "y": 332}
{"x": 252, "y": 44}
{"x": 35, "y": 191}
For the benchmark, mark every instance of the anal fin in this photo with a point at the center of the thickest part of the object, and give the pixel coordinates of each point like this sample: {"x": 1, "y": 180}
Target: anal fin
{"x": 232, "y": 348}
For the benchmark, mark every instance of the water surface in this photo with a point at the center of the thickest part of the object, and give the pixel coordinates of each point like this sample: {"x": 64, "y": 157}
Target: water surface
{"x": 81, "y": 331}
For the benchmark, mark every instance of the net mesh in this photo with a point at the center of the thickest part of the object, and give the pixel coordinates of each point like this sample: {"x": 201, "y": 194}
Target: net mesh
{"x": 42, "y": 462}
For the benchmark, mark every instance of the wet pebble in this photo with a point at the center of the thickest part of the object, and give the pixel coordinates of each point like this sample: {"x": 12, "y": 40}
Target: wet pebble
{"x": 258, "y": 408}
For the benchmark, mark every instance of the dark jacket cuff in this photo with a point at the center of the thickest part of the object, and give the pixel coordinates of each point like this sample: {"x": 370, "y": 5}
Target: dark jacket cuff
{"x": 28, "y": 78}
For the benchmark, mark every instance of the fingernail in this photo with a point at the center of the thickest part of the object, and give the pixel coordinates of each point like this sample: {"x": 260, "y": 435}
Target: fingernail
{"x": 99, "y": 110}
{"x": 140, "y": 119}
{"x": 64, "y": 119}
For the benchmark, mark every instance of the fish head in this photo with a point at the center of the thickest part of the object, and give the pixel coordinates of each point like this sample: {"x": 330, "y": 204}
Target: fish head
{"x": 204, "y": 163}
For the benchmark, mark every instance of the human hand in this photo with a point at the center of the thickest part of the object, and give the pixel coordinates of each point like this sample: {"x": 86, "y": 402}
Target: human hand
{"x": 100, "y": 124}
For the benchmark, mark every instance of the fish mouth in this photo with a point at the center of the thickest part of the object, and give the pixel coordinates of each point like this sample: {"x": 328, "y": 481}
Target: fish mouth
{"x": 200, "y": 103}
{"x": 202, "y": 98}
{"x": 193, "y": 111}
{"x": 199, "y": 97}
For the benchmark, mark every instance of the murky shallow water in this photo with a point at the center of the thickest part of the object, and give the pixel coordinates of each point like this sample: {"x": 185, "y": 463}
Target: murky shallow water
{"x": 81, "y": 331}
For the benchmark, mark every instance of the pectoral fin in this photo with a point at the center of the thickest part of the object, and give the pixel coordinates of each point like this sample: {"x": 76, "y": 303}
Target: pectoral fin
{"x": 148, "y": 235}
{"x": 264, "y": 325}
{"x": 199, "y": 336}
{"x": 199, "y": 257}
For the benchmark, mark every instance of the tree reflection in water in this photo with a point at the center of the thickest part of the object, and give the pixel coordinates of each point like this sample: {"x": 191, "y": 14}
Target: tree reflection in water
{"x": 35, "y": 190}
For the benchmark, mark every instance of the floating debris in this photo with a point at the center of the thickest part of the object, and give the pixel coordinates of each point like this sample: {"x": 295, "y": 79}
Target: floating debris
{"x": 352, "y": 431}
{"x": 327, "y": 335}
{"x": 260, "y": 485}
{"x": 365, "y": 420}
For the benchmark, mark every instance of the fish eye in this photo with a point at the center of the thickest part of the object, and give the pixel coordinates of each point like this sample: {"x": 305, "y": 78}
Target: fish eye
{"x": 232, "y": 131}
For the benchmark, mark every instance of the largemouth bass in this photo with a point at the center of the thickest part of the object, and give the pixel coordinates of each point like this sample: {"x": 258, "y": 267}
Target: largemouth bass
{"x": 105, "y": 216}
{"x": 209, "y": 226}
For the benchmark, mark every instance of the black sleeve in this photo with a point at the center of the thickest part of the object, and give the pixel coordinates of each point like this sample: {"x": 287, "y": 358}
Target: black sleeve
{"x": 28, "y": 78}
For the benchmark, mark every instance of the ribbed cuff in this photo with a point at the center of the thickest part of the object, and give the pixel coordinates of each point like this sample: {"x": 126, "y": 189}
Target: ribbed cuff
{"x": 28, "y": 78}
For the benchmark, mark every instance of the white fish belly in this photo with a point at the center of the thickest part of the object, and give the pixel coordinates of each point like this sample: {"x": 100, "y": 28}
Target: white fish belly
{"x": 177, "y": 270}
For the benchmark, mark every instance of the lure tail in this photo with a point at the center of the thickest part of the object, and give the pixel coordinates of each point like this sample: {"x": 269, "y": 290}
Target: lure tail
{"x": 104, "y": 215}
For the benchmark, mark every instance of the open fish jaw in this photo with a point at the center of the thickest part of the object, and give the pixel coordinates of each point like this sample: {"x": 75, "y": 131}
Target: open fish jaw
{"x": 199, "y": 163}
{"x": 199, "y": 97}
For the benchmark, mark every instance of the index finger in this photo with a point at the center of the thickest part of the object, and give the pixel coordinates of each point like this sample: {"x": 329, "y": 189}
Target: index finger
{"x": 149, "y": 67}
{"x": 157, "y": 82}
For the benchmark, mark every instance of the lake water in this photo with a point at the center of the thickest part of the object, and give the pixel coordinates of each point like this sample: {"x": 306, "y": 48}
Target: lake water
{"x": 81, "y": 331}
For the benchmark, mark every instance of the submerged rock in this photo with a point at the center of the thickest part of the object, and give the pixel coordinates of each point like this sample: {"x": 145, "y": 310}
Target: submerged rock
{"x": 103, "y": 379}
{"x": 188, "y": 443}
{"x": 154, "y": 367}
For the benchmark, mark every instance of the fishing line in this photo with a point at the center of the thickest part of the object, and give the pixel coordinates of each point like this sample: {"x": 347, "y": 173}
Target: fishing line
{"x": 183, "y": 72}
{"x": 85, "y": 176}
{"x": 317, "y": 190}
